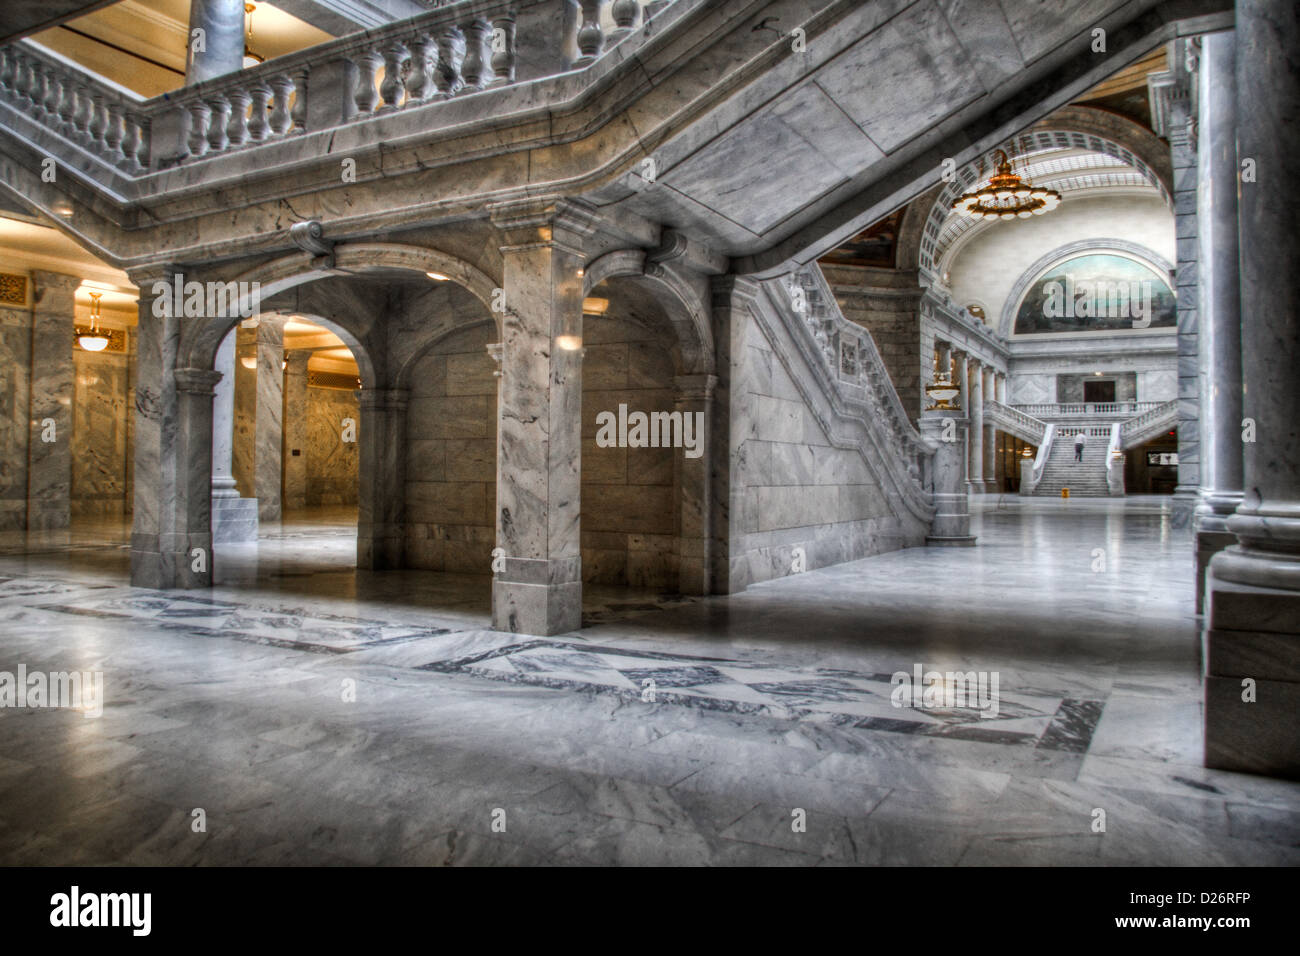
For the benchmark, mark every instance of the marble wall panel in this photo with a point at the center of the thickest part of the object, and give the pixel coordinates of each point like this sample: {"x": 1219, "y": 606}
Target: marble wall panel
{"x": 629, "y": 496}
{"x": 332, "y": 463}
{"x": 15, "y": 348}
{"x": 99, "y": 439}
{"x": 451, "y": 455}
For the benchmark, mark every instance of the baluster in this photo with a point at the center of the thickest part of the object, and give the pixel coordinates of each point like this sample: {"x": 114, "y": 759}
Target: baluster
{"x": 7, "y": 70}
{"x": 503, "y": 51}
{"x": 475, "y": 66}
{"x": 625, "y": 13}
{"x": 217, "y": 126}
{"x": 451, "y": 52}
{"x": 142, "y": 152}
{"x": 130, "y": 142}
{"x": 81, "y": 118}
{"x": 260, "y": 95}
{"x": 98, "y": 120}
{"x": 591, "y": 39}
{"x": 366, "y": 97}
{"x": 67, "y": 105}
{"x": 22, "y": 79}
{"x": 237, "y": 128}
{"x": 53, "y": 93}
{"x": 113, "y": 132}
{"x": 298, "y": 112}
{"x": 393, "y": 87}
{"x": 38, "y": 90}
{"x": 200, "y": 114}
{"x": 419, "y": 79}
{"x": 279, "y": 119}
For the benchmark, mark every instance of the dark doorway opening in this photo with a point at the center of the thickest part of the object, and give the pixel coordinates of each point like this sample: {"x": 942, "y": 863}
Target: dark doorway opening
{"x": 1099, "y": 391}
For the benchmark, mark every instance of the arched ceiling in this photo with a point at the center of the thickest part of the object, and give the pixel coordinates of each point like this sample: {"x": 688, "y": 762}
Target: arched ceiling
{"x": 1070, "y": 169}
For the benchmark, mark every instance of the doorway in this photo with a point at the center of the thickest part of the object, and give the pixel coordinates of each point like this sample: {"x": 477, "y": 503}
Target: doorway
{"x": 1099, "y": 391}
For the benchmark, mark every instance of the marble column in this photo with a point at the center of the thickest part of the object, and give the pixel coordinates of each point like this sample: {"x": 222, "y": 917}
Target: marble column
{"x": 381, "y": 478}
{"x": 694, "y": 561}
{"x": 951, "y": 523}
{"x": 975, "y": 377}
{"x": 990, "y": 439}
{"x": 294, "y": 451}
{"x": 171, "y": 541}
{"x": 49, "y": 444}
{"x": 234, "y": 519}
{"x": 539, "y": 591}
{"x": 222, "y": 23}
{"x": 1182, "y": 148}
{"x": 1220, "y": 292}
{"x": 1252, "y": 641}
{"x": 268, "y": 440}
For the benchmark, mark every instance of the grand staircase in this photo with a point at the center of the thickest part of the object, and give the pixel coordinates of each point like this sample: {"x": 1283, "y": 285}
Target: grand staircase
{"x": 1085, "y": 479}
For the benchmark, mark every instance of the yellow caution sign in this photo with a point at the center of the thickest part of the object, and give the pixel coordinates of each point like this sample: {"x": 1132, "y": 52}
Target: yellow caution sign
{"x": 1065, "y": 492}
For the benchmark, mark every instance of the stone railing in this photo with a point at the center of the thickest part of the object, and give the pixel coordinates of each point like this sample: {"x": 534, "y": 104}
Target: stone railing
{"x": 99, "y": 117}
{"x": 1029, "y": 479}
{"x": 1150, "y": 423}
{"x": 856, "y": 371}
{"x": 458, "y": 49}
{"x": 1013, "y": 420}
{"x": 1115, "y": 463}
{"x": 1101, "y": 409}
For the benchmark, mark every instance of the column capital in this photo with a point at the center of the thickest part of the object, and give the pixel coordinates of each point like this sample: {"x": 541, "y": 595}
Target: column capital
{"x": 695, "y": 387}
{"x": 53, "y": 281}
{"x": 528, "y": 223}
{"x": 197, "y": 381}
{"x": 145, "y": 276}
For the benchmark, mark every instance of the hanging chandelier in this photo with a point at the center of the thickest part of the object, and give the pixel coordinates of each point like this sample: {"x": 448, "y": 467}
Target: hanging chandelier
{"x": 94, "y": 339}
{"x": 250, "y": 58}
{"x": 1007, "y": 196}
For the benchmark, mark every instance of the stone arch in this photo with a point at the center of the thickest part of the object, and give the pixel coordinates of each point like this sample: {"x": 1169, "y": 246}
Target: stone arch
{"x": 1006, "y": 321}
{"x": 349, "y": 259}
{"x": 684, "y": 301}
{"x": 1072, "y": 127}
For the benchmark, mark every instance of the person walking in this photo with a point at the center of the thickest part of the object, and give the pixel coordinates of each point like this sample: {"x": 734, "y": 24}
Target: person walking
{"x": 1079, "y": 441}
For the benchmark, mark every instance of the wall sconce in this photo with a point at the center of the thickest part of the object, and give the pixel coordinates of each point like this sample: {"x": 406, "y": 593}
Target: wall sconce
{"x": 570, "y": 343}
{"x": 593, "y": 306}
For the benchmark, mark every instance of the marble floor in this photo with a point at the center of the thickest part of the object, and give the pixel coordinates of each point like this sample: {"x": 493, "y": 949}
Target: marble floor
{"x": 320, "y": 715}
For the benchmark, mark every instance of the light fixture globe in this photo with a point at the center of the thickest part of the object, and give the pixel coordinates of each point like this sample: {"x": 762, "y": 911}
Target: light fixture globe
{"x": 942, "y": 391}
{"x": 93, "y": 339}
{"x": 1007, "y": 196}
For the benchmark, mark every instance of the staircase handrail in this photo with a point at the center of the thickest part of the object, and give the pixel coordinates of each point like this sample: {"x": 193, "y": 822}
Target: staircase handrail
{"x": 1137, "y": 426}
{"x": 1115, "y": 460}
{"x": 1044, "y": 452}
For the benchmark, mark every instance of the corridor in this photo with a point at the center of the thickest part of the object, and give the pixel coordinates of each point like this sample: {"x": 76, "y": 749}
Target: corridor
{"x": 319, "y": 714}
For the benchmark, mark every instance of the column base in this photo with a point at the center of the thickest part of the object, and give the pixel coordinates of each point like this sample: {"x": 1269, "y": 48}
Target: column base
{"x": 962, "y": 541}
{"x": 538, "y": 596}
{"x": 1252, "y": 633}
{"x": 234, "y": 520}
{"x": 1208, "y": 544}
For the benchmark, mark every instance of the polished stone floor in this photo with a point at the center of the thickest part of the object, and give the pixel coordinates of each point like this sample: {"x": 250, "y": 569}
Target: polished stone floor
{"x": 316, "y": 714}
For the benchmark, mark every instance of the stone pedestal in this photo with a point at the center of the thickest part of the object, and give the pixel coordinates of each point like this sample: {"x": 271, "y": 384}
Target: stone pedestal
{"x": 1026, "y": 477}
{"x": 951, "y": 524}
{"x": 539, "y": 590}
{"x": 49, "y": 443}
{"x": 1253, "y": 617}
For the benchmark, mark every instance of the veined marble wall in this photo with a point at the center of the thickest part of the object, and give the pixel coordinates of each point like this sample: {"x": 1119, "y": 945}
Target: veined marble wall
{"x": 451, "y": 433}
{"x": 100, "y": 446}
{"x": 792, "y": 486}
{"x": 331, "y": 462}
{"x": 243, "y": 446}
{"x": 628, "y": 494}
{"x": 15, "y": 354}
